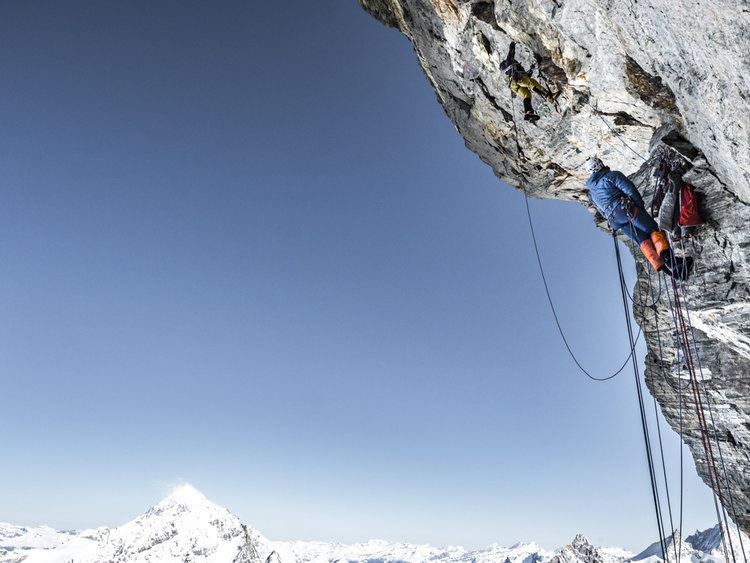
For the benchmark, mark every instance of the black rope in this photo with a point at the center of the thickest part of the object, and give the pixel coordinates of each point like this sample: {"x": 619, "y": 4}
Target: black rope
{"x": 682, "y": 481}
{"x": 554, "y": 311}
{"x": 639, "y": 389}
{"x": 544, "y": 277}
{"x": 703, "y": 426}
{"x": 635, "y": 252}
{"x": 713, "y": 429}
{"x": 679, "y": 390}
{"x": 666, "y": 482}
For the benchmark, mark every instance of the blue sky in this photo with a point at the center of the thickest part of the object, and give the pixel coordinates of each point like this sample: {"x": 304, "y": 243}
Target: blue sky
{"x": 244, "y": 247}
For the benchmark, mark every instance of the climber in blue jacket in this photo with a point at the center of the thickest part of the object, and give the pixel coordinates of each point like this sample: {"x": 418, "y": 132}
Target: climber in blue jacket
{"x": 620, "y": 203}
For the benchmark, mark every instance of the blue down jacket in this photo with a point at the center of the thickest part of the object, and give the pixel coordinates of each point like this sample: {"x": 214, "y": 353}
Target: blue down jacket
{"x": 606, "y": 189}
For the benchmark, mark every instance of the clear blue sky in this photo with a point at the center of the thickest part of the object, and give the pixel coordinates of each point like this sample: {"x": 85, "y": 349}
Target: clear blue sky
{"x": 243, "y": 247}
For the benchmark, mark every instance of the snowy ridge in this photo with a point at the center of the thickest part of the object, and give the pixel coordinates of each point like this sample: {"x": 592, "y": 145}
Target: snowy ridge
{"x": 43, "y": 537}
{"x": 703, "y": 547}
{"x": 710, "y": 541}
{"x": 379, "y": 551}
{"x": 186, "y": 527}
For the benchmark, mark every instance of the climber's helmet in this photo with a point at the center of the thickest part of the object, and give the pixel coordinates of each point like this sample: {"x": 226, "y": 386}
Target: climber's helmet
{"x": 504, "y": 67}
{"x": 593, "y": 165}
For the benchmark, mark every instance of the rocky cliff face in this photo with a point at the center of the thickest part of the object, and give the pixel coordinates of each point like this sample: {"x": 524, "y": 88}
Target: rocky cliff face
{"x": 635, "y": 76}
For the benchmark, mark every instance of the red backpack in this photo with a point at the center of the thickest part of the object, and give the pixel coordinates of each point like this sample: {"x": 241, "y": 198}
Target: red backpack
{"x": 689, "y": 214}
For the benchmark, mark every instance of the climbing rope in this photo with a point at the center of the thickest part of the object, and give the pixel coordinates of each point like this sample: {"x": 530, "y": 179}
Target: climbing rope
{"x": 664, "y": 471}
{"x": 615, "y": 133}
{"x": 702, "y": 424}
{"x": 644, "y": 421}
{"x": 679, "y": 389}
{"x": 544, "y": 277}
{"x": 689, "y": 337}
{"x": 654, "y": 300}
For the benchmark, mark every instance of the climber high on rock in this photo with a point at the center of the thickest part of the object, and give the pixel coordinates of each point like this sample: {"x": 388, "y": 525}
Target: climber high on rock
{"x": 522, "y": 84}
{"x": 620, "y": 203}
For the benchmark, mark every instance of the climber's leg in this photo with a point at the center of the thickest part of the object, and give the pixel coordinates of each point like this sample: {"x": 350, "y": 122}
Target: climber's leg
{"x": 528, "y": 82}
{"x": 528, "y": 110}
{"x": 660, "y": 242}
{"x": 649, "y": 251}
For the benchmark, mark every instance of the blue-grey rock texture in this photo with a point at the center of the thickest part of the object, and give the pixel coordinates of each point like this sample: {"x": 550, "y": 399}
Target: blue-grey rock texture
{"x": 635, "y": 76}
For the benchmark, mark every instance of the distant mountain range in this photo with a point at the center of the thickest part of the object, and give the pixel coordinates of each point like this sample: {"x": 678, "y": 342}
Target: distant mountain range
{"x": 186, "y": 527}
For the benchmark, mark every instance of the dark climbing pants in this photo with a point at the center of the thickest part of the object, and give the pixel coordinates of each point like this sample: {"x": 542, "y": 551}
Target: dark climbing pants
{"x": 634, "y": 222}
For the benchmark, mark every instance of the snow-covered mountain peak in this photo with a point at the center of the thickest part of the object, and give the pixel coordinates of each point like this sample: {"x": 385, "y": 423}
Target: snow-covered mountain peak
{"x": 184, "y": 521}
{"x": 184, "y": 526}
{"x": 581, "y": 551}
{"x": 581, "y": 542}
{"x": 183, "y": 501}
{"x": 185, "y": 495}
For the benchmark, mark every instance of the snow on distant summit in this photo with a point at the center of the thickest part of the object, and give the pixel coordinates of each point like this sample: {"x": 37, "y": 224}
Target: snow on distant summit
{"x": 183, "y": 527}
{"x": 185, "y": 495}
{"x": 580, "y": 551}
{"x": 183, "y": 523}
{"x": 186, "y": 527}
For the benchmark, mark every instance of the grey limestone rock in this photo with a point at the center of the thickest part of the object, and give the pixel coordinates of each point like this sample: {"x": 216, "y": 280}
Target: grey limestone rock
{"x": 634, "y": 76}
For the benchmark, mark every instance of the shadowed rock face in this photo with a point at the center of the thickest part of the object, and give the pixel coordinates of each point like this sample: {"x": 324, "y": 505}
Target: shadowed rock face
{"x": 629, "y": 73}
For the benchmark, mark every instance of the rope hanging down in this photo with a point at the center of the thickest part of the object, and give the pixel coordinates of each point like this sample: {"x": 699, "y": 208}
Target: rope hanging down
{"x": 644, "y": 422}
{"x": 707, "y": 434}
{"x": 679, "y": 389}
{"x": 554, "y": 311}
{"x": 544, "y": 278}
